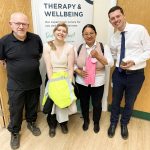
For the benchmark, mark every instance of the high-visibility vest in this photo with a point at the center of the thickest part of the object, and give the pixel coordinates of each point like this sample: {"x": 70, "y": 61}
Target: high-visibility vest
{"x": 60, "y": 90}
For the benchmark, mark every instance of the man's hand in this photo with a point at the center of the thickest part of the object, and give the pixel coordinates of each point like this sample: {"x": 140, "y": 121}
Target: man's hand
{"x": 127, "y": 64}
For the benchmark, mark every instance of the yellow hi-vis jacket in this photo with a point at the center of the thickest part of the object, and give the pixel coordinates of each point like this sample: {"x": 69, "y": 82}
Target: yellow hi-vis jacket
{"x": 60, "y": 89}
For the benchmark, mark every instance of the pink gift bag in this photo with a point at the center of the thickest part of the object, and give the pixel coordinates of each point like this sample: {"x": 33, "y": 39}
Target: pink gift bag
{"x": 90, "y": 67}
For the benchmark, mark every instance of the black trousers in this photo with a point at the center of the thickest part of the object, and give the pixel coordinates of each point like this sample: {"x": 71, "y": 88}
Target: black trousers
{"x": 96, "y": 94}
{"x": 52, "y": 122}
{"x": 127, "y": 84}
{"x": 17, "y": 101}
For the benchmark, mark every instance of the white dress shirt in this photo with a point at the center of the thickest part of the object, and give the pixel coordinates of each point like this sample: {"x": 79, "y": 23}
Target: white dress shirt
{"x": 137, "y": 45}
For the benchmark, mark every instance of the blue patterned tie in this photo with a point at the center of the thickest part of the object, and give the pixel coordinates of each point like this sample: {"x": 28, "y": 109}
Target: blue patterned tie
{"x": 122, "y": 51}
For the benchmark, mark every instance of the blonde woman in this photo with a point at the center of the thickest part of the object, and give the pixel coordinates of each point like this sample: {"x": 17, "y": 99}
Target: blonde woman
{"x": 58, "y": 57}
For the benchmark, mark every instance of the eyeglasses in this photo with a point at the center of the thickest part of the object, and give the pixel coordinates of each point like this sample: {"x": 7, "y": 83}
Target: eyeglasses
{"x": 19, "y": 23}
{"x": 89, "y": 34}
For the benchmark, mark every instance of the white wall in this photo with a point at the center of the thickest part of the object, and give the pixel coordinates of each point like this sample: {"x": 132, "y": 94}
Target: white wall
{"x": 104, "y": 31}
{"x": 101, "y": 21}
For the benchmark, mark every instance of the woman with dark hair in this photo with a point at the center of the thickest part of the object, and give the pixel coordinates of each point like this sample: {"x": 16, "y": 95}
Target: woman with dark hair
{"x": 59, "y": 57}
{"x": 91, "y": 60}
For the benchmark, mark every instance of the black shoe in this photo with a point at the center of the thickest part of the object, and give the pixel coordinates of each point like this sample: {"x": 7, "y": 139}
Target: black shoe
{"x": 15, "y": 141}
{"x": 33, "y": 128}
{"x": 124, "y": 132}
{"x": 111, "y": 131}
{"x": 52, "y": 132}
{"x": 96, "y": 128}
{"x": 64, "y": 128}
{"x": 85, "y": 125}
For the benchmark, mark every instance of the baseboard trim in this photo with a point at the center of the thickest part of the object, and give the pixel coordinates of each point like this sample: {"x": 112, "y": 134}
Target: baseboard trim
{"x": 136, "y": 113}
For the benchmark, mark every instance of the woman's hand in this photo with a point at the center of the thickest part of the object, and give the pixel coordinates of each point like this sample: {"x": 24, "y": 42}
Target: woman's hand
{"x": 99, "y": 57}
{"x": 82, "y": 73}
{"x": 94, "y": 54}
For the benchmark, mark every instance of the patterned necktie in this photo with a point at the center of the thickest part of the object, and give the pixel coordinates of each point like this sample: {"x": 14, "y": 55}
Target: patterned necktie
{"x": 122, "y": 52}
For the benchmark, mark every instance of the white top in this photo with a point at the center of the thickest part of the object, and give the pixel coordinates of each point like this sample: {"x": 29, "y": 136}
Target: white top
{"x": 100, "y": 77}
{"x": 137, "y": 45}
{"x": 59, "y": 63}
